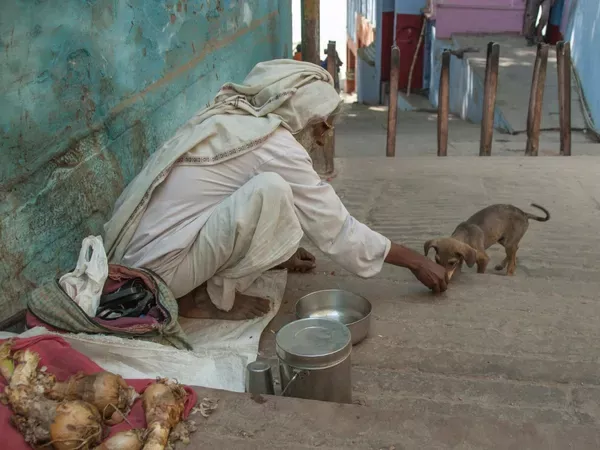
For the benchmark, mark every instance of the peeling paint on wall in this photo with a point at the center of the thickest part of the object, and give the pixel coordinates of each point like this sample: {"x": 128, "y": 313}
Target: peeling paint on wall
{"x": 88, "y": 90}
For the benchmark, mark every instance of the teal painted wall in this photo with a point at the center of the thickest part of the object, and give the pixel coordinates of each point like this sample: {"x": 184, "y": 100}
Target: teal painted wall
{"x": 88, "y": 89}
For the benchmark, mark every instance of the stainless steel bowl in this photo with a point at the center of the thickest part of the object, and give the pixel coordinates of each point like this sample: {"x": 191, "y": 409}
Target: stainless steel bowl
{"x": 352, "y": 310}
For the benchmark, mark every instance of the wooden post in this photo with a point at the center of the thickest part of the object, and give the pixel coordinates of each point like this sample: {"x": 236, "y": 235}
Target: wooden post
{"x": 332, "y": 66}
{"x": 563, "y": 59}
{"x": 443, "y": 105}
{"x": 322, "y": 155}
{"x": 489, "y": 99}
{"x": 310, "y": 31}
{"x": 536, "y": 100}
{"x": 390, "y": 149}
{"x": 329, "y": 144}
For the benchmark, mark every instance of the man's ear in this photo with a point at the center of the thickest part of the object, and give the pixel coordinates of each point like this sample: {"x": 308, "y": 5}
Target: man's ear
{"x": 432, "y": 243}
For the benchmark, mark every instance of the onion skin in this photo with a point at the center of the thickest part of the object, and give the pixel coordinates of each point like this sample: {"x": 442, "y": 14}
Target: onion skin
{"x": 7, "y": 366}
{"x": 164, "y": 404}
{"x": 26, "y": 363}
{"x": 108, "y": 392}
{"x": 33, "y": 413}
{"x": 78, "y": 425}
{"x": 125, "y": 440}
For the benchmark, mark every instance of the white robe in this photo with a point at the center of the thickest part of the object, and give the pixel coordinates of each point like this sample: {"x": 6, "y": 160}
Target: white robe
{"x": 229, "y": 223}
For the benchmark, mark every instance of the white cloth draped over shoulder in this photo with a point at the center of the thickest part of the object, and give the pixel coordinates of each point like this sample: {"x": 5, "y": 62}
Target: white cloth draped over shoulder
{"x": 261, "y": 223}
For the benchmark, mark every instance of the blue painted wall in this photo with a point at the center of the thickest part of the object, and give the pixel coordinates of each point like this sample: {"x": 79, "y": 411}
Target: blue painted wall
{"x": 557, "y": 12}
{"x": 88, "y": 89}
{"x": 466, "y": 88}
{"x": 410, "y": 6}
{"x": 367, "y": 88}
{"x": 583, "y": 31}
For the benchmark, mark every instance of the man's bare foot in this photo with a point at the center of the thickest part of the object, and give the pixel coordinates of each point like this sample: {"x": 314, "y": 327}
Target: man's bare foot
{"x": 197, "y": 305}
{"x": 301, "y": 261}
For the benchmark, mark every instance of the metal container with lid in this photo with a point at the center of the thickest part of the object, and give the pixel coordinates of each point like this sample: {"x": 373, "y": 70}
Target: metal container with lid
{"x": 314, "y": 360}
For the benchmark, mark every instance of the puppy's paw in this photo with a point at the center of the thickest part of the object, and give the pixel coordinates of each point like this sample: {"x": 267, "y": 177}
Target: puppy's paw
{"x": 499, "y": 267}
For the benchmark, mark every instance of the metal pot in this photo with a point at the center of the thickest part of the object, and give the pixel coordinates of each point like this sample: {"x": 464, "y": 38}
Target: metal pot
{"x": 351, "y": 309}
{"x": 314, "y": 360}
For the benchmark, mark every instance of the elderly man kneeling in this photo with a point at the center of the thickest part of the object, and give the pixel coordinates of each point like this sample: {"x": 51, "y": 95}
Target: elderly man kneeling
{"x": 232, "y": 193}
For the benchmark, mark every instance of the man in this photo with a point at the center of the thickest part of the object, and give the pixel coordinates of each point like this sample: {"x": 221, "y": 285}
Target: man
{"x": 338, "y": 64}
{"x": 229, "y": 197}
{"x": 533, "y": 33}
{"x": 298, "y": 54}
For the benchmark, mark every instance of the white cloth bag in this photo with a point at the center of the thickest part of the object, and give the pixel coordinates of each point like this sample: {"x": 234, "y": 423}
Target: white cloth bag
{"x": 84, "y": 285}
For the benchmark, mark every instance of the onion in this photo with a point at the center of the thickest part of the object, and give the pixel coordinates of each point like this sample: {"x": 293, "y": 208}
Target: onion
{"x": 125, "y": 440}
{"x": 25, "y": 367}
{"x": 106, "y": 391}
{"x": 33, "y": 413}
{"x": 164, "y": 403}
{"x": 67, "y": 425}
{"x": 78, "y": 425}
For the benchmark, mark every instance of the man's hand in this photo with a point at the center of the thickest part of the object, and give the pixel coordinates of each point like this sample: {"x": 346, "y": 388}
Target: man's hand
{"x": 301, "y": 261}
{"x": 427, "y": 272}
{"x": 431, "y": 275}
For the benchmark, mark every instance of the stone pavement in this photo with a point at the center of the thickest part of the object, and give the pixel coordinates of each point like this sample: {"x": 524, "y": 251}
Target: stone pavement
{"x": 495, "y": 363}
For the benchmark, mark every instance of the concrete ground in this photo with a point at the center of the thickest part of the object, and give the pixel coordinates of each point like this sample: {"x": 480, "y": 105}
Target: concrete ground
{"x": 496, "y": 362}
{"x": 514, "y": 80}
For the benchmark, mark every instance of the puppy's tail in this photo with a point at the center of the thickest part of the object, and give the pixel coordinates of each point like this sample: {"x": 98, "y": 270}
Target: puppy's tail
{"x": 538, "y": 218}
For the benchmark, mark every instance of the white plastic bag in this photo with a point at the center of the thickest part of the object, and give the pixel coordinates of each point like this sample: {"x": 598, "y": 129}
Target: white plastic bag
{"x": 84, "y": 285}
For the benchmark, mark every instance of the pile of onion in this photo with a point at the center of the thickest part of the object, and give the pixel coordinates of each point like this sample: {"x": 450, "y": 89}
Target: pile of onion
{"x": 106, "y": 391}
{"x": 67, "y": 425}
{"x": 72, "y": 415}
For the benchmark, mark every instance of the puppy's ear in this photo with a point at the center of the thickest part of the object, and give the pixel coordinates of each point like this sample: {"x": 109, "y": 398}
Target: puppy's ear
{"x": 432, "y": 243}
{"x": 469, "y": 254}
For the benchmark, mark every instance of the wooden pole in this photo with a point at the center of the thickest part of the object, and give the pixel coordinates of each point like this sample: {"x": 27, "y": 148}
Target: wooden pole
{"x": 489, "y": 99}
{"x": 332, "y": 63}
{"x": 322, "y": 155}
{"x": 443, "y": 105}
{"x": 536, "y": 100}
{"x": 329, "y": 144}
{"x": 563, "y": 59}
{"x": 310, "y": 31}
{"x": 390, "y": 149}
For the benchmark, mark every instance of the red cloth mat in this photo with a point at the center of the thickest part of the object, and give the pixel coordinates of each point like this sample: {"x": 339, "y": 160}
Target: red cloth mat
{"x": 62, "y": 361}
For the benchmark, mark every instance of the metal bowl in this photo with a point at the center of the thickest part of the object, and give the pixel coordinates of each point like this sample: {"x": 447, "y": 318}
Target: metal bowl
{"x": 352, "y": 310}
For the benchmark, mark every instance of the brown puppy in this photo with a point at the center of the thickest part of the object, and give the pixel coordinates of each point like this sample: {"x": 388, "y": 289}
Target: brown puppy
{"x": 502, "y": 224}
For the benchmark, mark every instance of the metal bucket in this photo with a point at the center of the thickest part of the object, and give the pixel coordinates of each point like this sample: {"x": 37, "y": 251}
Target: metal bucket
{"x": 314, "y": 360}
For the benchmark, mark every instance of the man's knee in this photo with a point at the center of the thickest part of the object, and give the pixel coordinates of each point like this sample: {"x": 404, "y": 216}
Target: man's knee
{"x": 271, "y": 184}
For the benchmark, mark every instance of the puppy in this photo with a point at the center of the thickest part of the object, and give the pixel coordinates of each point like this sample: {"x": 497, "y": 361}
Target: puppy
{"x": 502, "y": 224}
